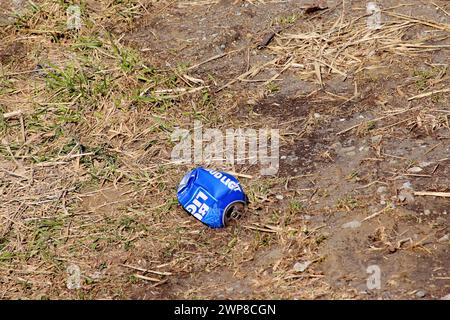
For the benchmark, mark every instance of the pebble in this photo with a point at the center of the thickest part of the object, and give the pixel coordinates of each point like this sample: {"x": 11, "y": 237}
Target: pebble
{"x": 279, "y": 197}
{"x": 415, "y": 170}
{"x": 407, "y": 185}
{"x": 352, "y": 224}
{"x": 382, "y": 189}
{"x": 427, "y": 212}
{"x": 421, "y": 294}
{"x": 96, "y": 275}
{"x": 425, "y": 164}
{"x": 407, "y": 196}
{"x": 377, "y": 139}
{"x": 444, "y": 238}
{"x": 406, "y": 193}
{"x": 301, "y": 266}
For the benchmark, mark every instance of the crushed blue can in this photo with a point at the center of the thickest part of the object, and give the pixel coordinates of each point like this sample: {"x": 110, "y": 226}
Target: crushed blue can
{"x": 213, "y": 197}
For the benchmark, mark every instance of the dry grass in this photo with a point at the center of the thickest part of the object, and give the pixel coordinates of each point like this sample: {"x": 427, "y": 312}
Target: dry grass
{"x": 346, "y": 47}
{"x": 94, "y": 118}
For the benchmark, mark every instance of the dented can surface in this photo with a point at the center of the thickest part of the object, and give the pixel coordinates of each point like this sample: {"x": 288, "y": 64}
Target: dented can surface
{"x": 213, "y": 197}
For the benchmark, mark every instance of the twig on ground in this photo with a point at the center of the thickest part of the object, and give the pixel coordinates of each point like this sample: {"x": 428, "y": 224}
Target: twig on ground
{"x": 147, "y": 270}
{"x": 432, "y": 194}
{"x": 427, "y": 94}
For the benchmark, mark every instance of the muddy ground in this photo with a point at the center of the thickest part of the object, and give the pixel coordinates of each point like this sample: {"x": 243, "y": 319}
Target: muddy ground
{"x": 356, "y": 151}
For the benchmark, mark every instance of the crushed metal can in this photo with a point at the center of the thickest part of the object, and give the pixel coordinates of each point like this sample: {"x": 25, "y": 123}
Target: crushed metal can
{"x": 213, "y": 197}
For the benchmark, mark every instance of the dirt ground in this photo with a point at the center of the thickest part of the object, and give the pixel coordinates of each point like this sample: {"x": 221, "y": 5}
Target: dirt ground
{"x": 364, "y": 119}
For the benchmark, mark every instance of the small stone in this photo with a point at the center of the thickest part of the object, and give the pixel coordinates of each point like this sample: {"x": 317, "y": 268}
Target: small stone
{"x": 425, "y": 164}
{"x": 421, "y": 294}
{"x": 251, "y": 102}
{"x": 352, "y": 225}
{"x": 377, "y": 139}
{"x": 415, "y": 170}
{"x": 317, "y": 115}
{"x": 283, "y": 157}
{"x": 444, "y": 238}
{"x": 301, "y": 266}
{"x": 407, "y": 196}
{"x": 382, "y": 189}
{"x": 279, "y": 197}
{"x": 96, "y": 275}
{"x": 427, "y": 212}
{"x": 407, "y": 185}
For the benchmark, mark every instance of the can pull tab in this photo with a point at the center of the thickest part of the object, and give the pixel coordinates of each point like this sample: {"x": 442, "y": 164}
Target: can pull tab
{"x": 235, "y": 212}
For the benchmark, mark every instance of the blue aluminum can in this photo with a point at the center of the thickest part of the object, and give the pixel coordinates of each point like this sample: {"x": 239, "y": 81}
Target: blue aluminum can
{"x": 213, "y": 197}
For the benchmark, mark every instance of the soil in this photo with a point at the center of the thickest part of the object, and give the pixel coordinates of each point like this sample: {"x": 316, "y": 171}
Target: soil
{"x": 335, "y": 166}
{"x": 345, "y": 157}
